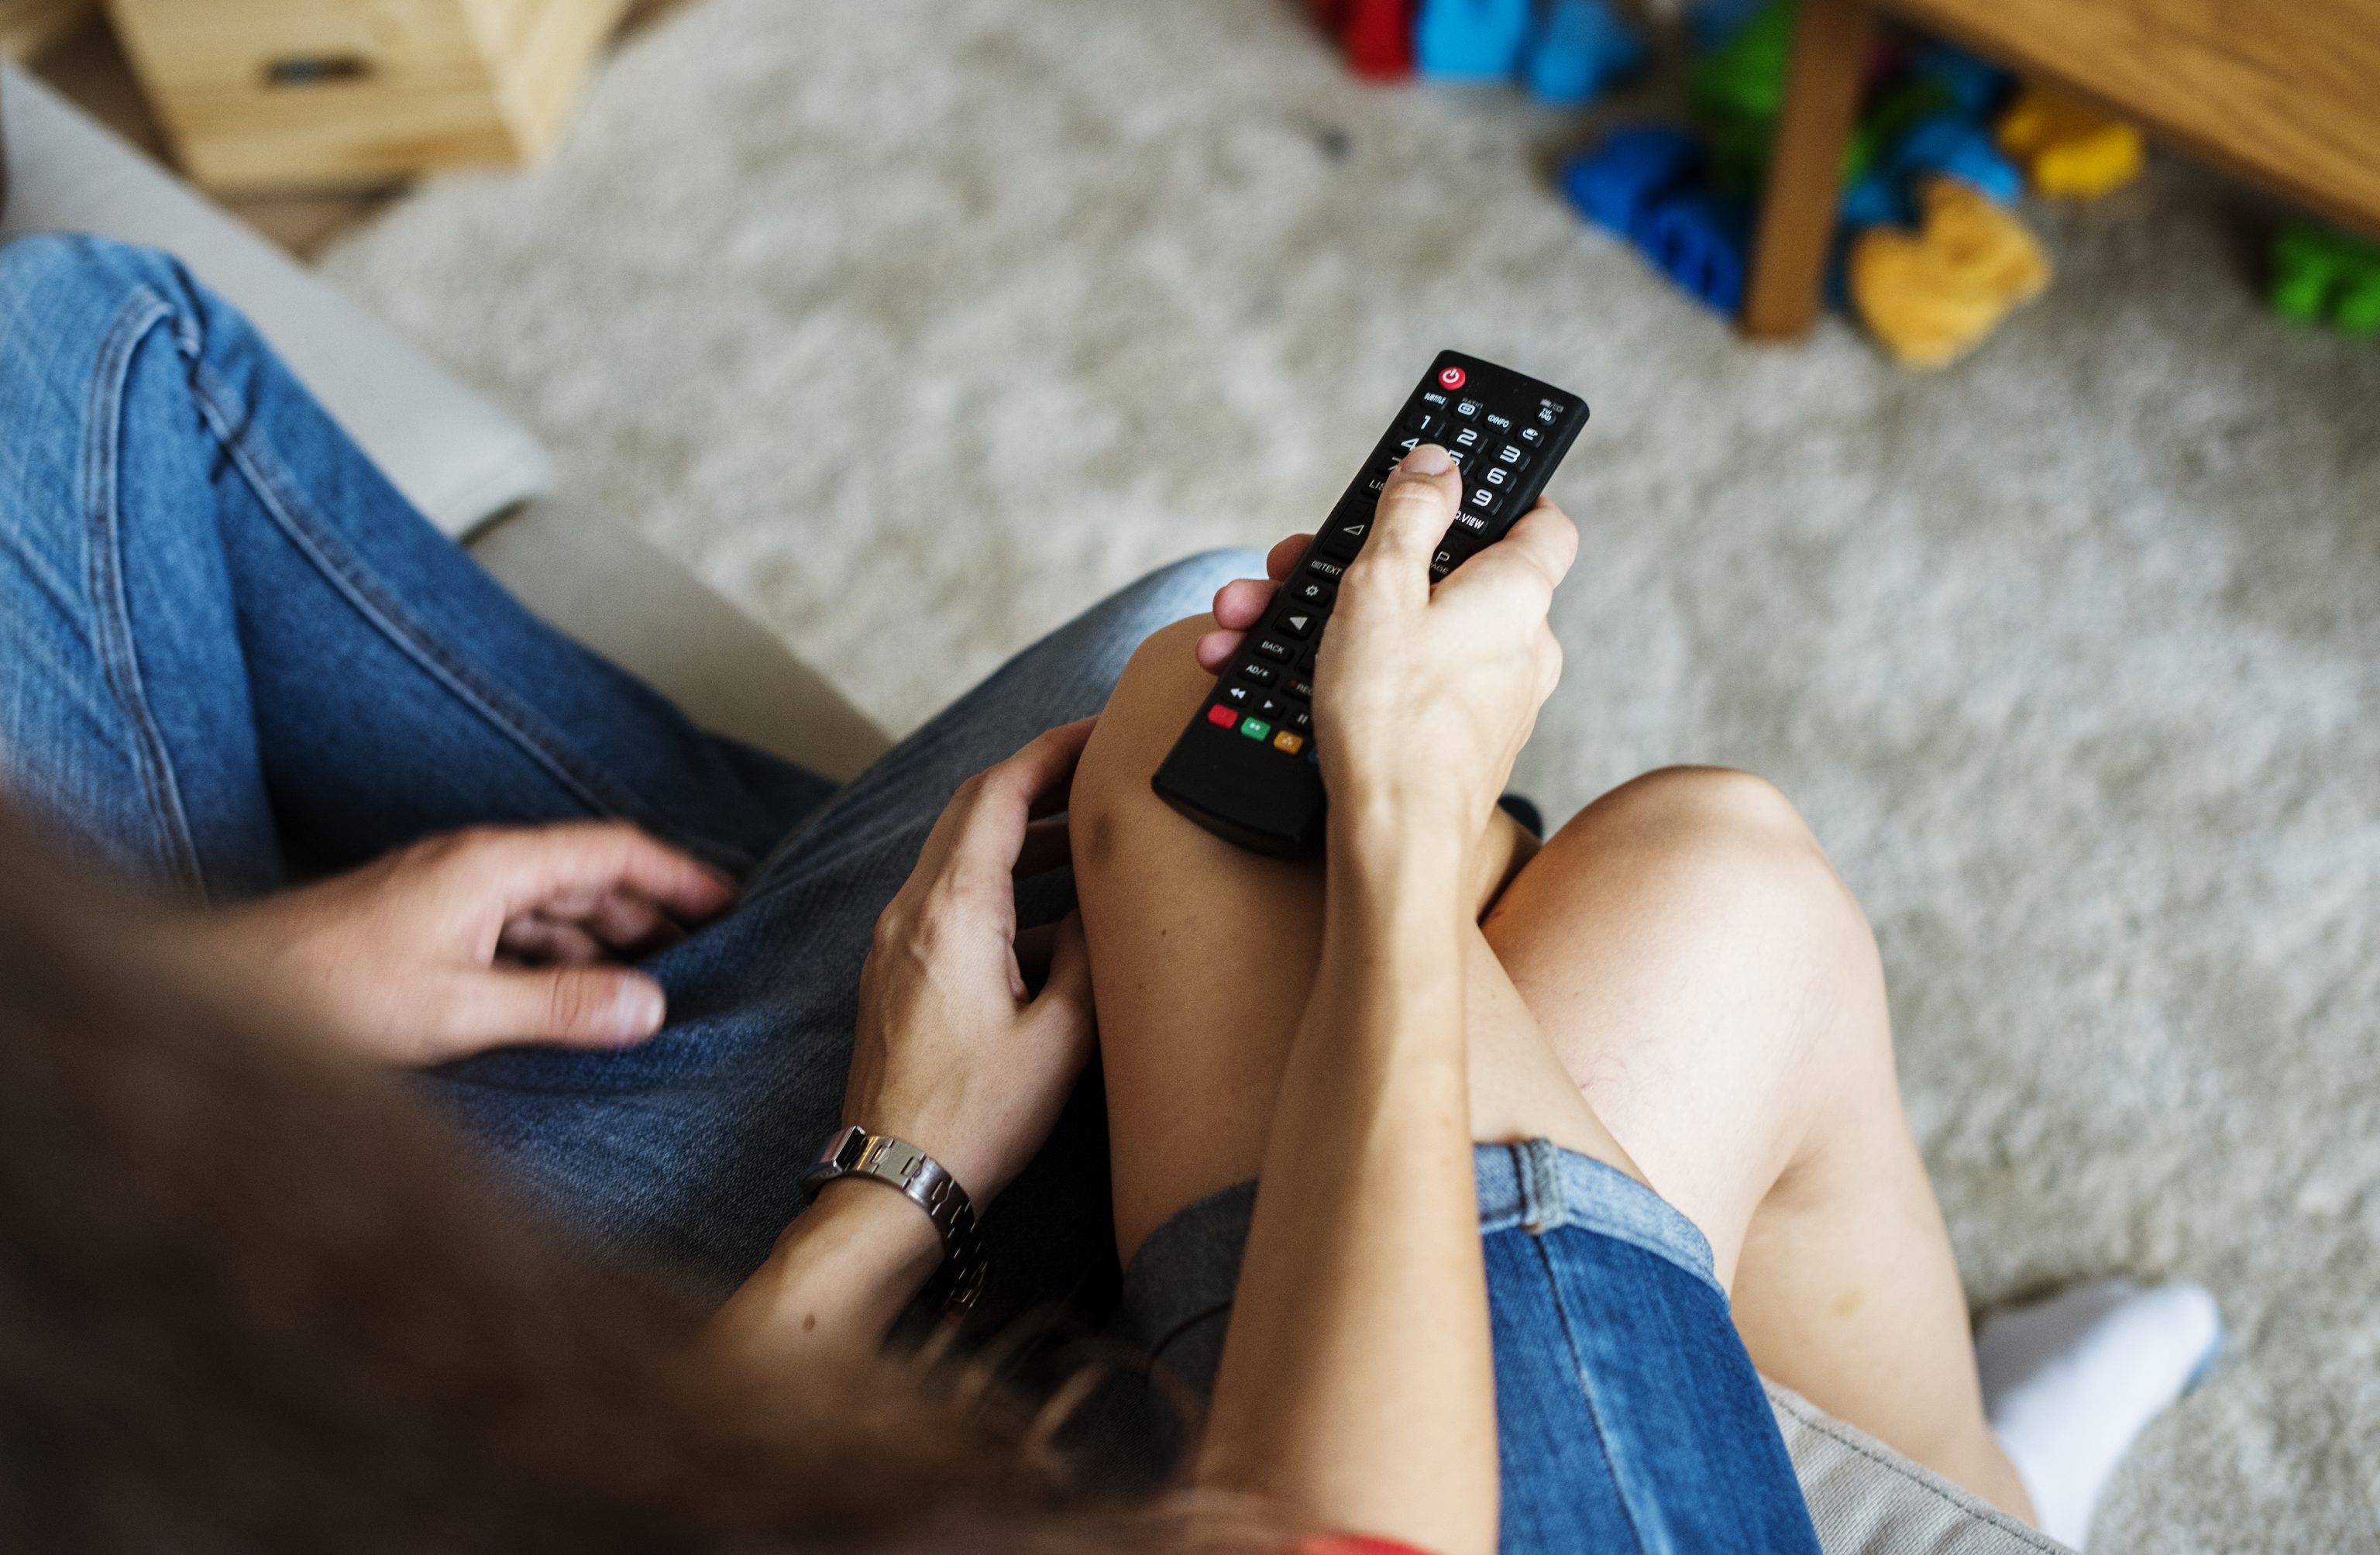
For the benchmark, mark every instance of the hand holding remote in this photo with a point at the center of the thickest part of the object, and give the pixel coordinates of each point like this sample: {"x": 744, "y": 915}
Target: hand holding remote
{"x": 1246, "y": 766}
{"x": 1424, "y": 696}
{"x": 1241, "y": 603}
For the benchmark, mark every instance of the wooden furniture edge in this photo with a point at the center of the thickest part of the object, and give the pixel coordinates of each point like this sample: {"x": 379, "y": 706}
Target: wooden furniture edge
{"x": 2019, "y": 54}
{"x": 1796, "y": 227}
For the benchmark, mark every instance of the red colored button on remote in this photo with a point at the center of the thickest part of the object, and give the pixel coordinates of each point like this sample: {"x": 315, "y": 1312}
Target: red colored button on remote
{"x": 1221, "y": 717}
{"x": 1452, "y": 378}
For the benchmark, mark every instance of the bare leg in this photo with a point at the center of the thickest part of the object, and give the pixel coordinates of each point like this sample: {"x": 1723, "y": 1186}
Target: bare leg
{"x": 1715, "y": 990}
{"x": 1714, "y": 1002}
{"x": 1203, "y": 954}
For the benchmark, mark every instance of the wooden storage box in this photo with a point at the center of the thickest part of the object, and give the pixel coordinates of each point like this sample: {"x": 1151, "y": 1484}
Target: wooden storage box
{"x": 29, "y": 25}
{"x": 297, "y": 94}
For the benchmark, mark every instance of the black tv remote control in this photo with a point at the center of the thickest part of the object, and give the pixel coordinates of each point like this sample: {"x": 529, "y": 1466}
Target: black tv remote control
{"x": 1246, "y": 767}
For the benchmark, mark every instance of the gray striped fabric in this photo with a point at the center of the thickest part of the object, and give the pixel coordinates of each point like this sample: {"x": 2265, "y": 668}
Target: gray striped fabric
{"x": 1866, "y": 1499}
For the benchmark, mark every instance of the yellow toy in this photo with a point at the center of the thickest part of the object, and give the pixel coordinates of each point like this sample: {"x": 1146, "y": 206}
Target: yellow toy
{"x": 2069, "y": 150}
{"x": 1933, "y": 295}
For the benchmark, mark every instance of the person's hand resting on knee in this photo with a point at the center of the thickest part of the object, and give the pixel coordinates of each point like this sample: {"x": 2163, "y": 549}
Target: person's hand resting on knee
{"x": 481, "y": 939}
{"x": 955, "y": 1054}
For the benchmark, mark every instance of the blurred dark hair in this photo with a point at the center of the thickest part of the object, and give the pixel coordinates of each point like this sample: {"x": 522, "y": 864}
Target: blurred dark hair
{"x": 250, "y": 1300}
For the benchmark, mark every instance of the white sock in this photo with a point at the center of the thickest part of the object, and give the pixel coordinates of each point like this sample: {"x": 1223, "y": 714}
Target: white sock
{"x": 2070, "y": 1382}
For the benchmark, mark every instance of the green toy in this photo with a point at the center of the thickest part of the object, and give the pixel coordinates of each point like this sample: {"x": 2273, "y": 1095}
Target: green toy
{"x": 1900, "y": 110}
{"x": 2320, "y": 274}
{"x": 1736, "y": 91}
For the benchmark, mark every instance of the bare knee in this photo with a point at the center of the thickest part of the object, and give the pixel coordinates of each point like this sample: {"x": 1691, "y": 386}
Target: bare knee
{"x": 1730, "y": 887}
{"x": 1719, "y": 830}
{"x": 1703, "y": 809}
{"x": 1158, "y": 690}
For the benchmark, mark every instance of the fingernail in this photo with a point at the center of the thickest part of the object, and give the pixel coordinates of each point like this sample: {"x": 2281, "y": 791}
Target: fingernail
{"x": 639, "y": 1008}
{"x": 1427, "y": 459}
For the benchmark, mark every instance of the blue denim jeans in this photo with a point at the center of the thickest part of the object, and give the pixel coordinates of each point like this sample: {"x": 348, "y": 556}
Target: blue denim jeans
{"x": 1628, "y": 1416}
{"x": 231, "y": 644}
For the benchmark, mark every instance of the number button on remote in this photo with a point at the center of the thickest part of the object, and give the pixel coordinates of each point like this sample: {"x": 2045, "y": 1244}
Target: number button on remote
{"x": 1495, "y": 475}
{"x": 1468, "y": 439}
{"x": 1512, "y": 456}
{"x": 1483, "y": 500}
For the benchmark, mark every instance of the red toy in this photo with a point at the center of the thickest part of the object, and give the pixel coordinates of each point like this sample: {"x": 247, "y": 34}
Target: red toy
{"x": 1379, "y": 36}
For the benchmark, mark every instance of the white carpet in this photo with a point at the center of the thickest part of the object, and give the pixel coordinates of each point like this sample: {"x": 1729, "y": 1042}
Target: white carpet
{"x": 916, "y": 326}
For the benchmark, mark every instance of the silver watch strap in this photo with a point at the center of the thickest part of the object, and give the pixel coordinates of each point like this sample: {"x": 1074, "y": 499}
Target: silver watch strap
{"x": 918, "y": 1177}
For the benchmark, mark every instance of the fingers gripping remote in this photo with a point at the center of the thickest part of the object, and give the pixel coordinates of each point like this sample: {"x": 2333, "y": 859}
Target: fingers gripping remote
{"x": 1246, "y": 767}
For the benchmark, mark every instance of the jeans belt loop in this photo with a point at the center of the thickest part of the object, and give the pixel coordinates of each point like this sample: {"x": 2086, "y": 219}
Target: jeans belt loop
{"x": 1543, "y": 1205}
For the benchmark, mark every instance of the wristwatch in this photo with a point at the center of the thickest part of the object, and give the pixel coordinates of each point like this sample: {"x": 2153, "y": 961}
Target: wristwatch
{"x": 918, "y": 1177}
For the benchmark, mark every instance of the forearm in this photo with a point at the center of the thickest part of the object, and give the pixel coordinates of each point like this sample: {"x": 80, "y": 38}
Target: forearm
{"x": 835, "y": 1284}
{"x": 1357, "y": 1383}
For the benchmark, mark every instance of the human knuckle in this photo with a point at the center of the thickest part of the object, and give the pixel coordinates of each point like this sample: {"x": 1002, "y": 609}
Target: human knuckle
{"x": 570, "y": 1002}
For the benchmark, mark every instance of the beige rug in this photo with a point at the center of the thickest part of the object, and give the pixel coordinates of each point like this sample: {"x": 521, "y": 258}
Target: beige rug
{"x": 916, "y": 325}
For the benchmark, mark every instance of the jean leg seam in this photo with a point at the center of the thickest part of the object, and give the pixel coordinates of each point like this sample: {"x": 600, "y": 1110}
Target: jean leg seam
{"x": 601, "y": 793}
{"x": 1536, "y": 1245}
{"x": 113, "y": 643}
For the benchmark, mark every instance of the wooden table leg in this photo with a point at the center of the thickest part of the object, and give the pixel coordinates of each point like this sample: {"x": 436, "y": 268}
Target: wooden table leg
{"x": 1831, "y": 44}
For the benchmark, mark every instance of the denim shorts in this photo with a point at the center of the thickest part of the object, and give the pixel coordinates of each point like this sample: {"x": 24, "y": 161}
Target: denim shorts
{"x": 1629, "y": 1415}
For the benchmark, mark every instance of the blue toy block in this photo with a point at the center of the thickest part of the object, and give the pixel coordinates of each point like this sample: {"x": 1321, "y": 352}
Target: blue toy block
{"x": 1579, "y": 50}
{"x": 1979, "y": 87}
{"x": 1618, "y": 183}
{"x": 1698, "y": 240}
{"x": 1711, "y": 25}
{"x": 1961, "y": 149}
{"x": 1876, "y": 199}
{"x": 1470, "y": 40}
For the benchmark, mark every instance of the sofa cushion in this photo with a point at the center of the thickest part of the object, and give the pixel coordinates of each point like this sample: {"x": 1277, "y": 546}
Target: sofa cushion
{"x": 590, "y": 577}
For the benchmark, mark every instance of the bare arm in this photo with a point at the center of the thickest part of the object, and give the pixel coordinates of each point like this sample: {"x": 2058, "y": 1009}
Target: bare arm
{"x": 836, "y": 1282}
{"x": 1356, "y": 1382}
{"x": 1357, "y": 1386}
{"x": 954, "y": 1054}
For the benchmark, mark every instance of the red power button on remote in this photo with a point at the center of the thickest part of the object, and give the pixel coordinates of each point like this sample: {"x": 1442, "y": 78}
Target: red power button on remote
{"x": 1452, "y": 378}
